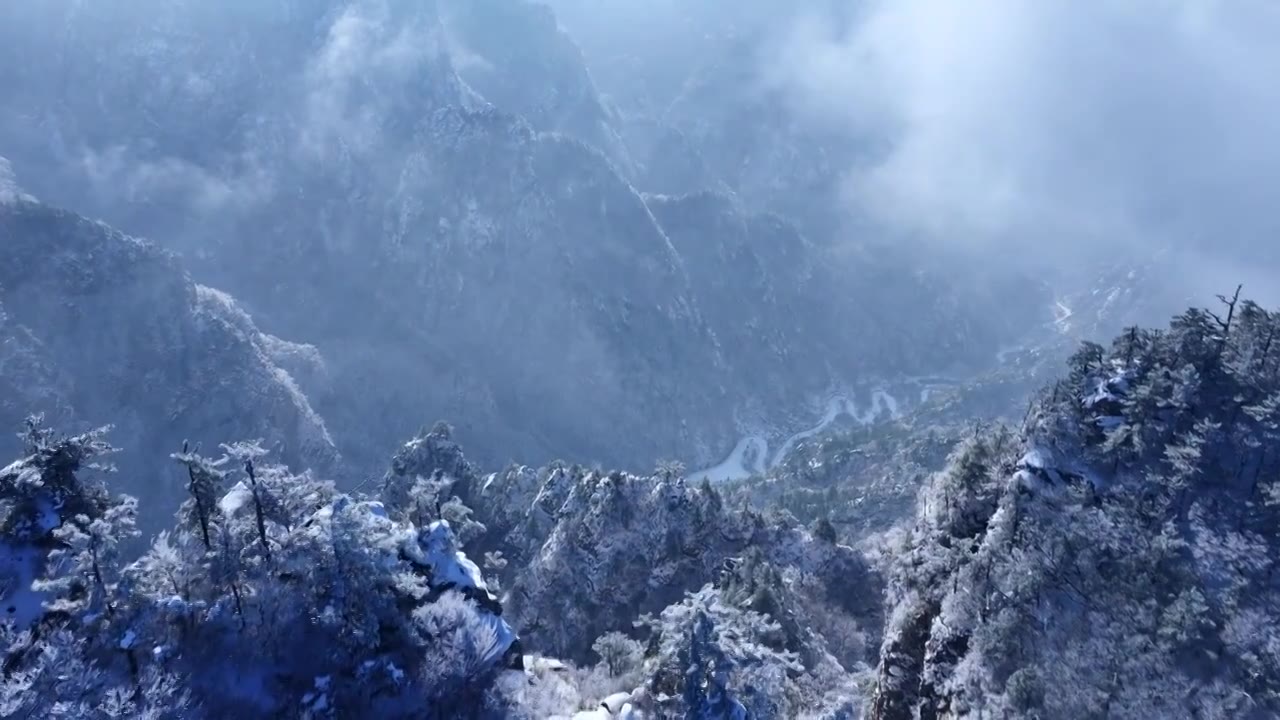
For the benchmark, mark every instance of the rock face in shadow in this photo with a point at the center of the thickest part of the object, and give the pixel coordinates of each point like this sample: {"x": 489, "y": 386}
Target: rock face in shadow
{"x": 98, "y": 327}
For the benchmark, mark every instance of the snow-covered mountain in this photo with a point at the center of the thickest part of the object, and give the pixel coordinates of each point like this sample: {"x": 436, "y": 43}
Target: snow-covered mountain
{"x": 453, "y": 219}
{"x": 1119, "y": 545}
{"x": 894, "y": 477}
{"x": 96, "y": 324}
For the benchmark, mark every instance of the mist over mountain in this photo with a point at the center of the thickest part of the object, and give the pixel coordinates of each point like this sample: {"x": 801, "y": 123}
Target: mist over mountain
{"x": 97, "y": 324}
{"x": 452, "y": 220}
{"x": 807, "y": 360}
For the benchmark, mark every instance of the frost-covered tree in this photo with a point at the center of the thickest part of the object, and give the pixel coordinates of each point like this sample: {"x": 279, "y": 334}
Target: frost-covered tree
{"x": 618, "y": 653}
{"x": 277, "y": 596}
{"x": 1104, "y": 561}
{"x": 205, "y": 486}
{"x": 708, "y": 654}
{"x": 706, "y": 679}
{"x": 246, "y": 453}
{"x": 83, "y": 571}
{"x": 63, "y": 529}
{"x": 58, "y": 477}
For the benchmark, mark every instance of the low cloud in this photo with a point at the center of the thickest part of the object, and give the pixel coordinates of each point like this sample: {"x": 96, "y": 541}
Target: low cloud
{"x": 376, "y": 56}
{"x": 1054, "y": 128}
{"x": 120, "y": 173}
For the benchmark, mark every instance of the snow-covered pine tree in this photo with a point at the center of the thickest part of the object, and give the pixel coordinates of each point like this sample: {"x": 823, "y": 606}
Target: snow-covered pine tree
{"x": 205, "y": 481}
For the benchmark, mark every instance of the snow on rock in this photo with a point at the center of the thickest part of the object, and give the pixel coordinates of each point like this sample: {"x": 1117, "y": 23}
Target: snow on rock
{"x": 616, "y": 702}
{"x": 344, "y": 503}
{"x": 438, "y": 549}
{"x": 1034, "y": 459}
{"x": 317, "y": 701}
{"x": 536, "y": 664}
{"x": 1102, "y": 393}
{"x": 434, "y": 552}
{"x": 1109, "y": 389}
{"x": 618, "y": 706}
{"x": 237, "y": 497}
{"x": 1036, "y": 468}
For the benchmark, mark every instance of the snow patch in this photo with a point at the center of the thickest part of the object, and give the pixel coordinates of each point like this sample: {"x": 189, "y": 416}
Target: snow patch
{"x": 439, "y": 551}
{"x": 615, "y": 703}
{"x": 1110, "y": 389}
{"x": 237, "y": 497}
{"x": 1035, "y": 458}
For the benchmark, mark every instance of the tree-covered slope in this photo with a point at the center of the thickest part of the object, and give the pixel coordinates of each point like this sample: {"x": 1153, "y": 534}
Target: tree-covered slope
{"x": 1116, "y": 558}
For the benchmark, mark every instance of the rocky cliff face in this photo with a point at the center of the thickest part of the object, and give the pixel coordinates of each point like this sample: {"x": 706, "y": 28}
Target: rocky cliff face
{"x": 704, "y": 112}
{"x": 101, "y": 327}
{"x": 516, "y": 56}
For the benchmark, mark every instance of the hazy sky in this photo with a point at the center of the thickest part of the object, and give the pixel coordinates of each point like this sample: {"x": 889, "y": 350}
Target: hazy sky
{"x": 1051, "y": 129}
{"x": 1010, "y": 123}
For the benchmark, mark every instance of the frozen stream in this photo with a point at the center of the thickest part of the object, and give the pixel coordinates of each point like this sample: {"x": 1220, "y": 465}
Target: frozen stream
{"x": 751, "y": 455}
